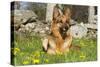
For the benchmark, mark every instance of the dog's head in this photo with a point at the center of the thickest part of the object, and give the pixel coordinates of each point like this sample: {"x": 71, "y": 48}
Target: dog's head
{"x": 62, "y": 18}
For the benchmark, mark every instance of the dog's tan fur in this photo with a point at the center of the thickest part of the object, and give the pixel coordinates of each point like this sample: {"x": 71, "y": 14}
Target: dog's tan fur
{"x": 55, "y": 40}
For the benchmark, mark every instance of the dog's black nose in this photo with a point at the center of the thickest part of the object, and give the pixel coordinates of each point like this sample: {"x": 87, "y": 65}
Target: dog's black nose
{"x": 65, "y": 27}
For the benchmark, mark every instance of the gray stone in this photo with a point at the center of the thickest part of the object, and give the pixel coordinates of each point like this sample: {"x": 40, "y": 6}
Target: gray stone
{"x": 29, "y": 26}
{"x": 36, "y": 30}
{"x": 22, "y": 30}
{"x": 92, "y": 26}
{"x": 78, "y": 31}
{"x": 21, "y": 16}
{"x": 47, "y": 28}
{"x": 42, "y": 32}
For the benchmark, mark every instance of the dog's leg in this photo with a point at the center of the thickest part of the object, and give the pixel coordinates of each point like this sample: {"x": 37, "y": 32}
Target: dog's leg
{"x": 67, "y": 43}
{"x": 45, "y": 44}
{"x": 51, "y": 51}
{"x": 52, "y": 42}
{"x": 49, "y": 45}
{"x": 52, "y": 46}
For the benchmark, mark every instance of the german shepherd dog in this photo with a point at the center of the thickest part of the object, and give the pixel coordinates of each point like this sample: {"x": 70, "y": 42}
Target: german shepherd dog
{"x": 60, "y": 39}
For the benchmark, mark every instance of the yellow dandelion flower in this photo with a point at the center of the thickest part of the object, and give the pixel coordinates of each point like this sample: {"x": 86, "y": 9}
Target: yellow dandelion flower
{"x": 14, "y": 52}
{"x": 25, "y": 62}
{"x": 46, "y": 60}
{"x": 82, "y": 55}
{"x": 36, "y": 61}
{"x": 17, "y": 49}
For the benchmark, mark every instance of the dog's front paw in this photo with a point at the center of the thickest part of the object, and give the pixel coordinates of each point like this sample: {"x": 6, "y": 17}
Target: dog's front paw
{"x": 45, "y": 44}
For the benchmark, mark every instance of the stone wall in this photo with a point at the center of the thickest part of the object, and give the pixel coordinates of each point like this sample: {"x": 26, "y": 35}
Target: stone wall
{"x": 26, "y": 21}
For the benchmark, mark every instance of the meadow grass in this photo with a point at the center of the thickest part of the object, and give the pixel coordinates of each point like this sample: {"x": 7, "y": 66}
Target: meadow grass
{"x": 28, "y": 50}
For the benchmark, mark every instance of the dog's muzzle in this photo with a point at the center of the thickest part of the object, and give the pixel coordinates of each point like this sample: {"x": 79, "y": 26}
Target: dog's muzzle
{"x": 63, "y": 29}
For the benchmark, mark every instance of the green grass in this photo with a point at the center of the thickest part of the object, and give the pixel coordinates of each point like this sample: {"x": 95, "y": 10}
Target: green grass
{"x": 28, "y": 50}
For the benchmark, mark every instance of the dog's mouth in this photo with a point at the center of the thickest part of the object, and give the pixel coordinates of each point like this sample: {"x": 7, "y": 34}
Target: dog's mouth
{"x": 64, "y": 27}
{"x": 63, "y": 30}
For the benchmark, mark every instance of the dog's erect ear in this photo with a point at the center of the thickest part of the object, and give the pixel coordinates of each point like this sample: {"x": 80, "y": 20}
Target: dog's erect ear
{"x": 56, "y": 12}
{"x": 67, "y": 13}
